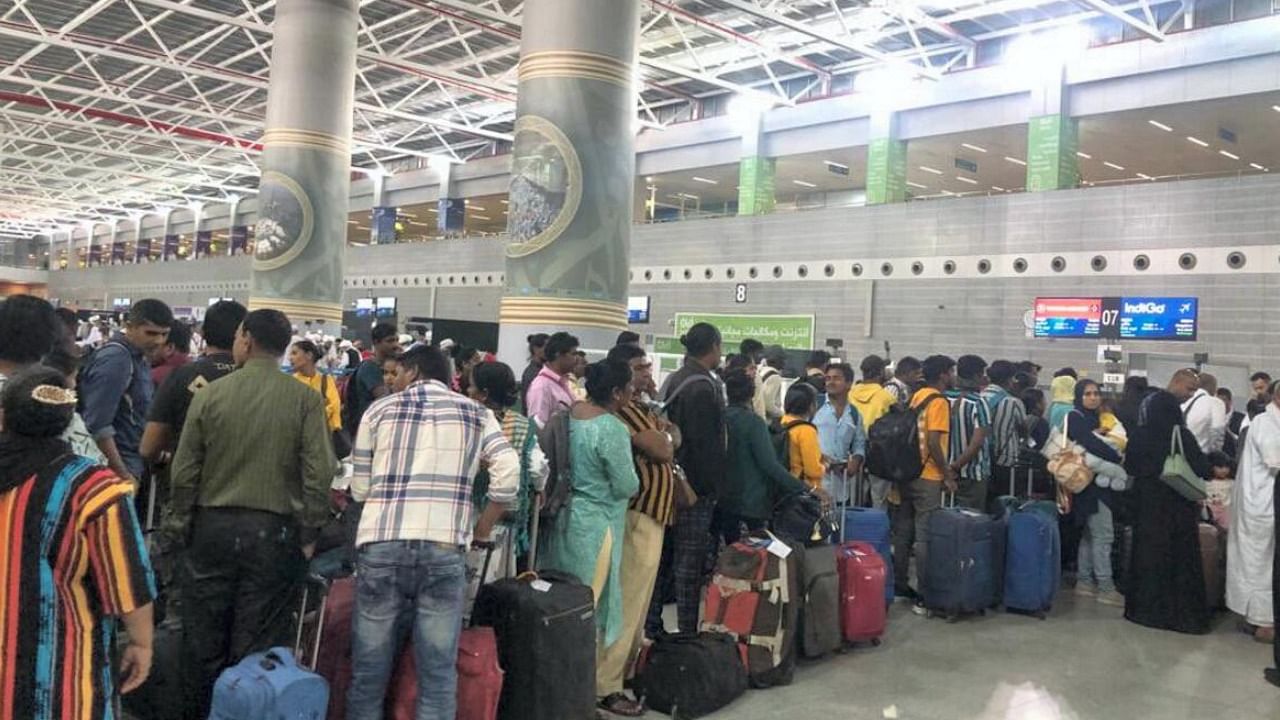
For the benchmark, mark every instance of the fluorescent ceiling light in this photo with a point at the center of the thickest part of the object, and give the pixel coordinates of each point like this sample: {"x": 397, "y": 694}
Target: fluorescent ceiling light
{"x": 1197, "y": 141}
{"x": 432, "y": 210}
{"x": 1113, "y": 166}
{"x": 475, "y": 208}
{"x": 1224, "y": 153}
{"x": 830, "y": 163}
{"x": 1086, "y": 156}
{"x": 997, "y": 188}
{"x": 1276, "y": 108}
{"x": 688, "y": 196}
{"x": 1015, "y": 160}
{"x": 708, "y": 181}
{"x": 802, "y": 183}
{"x": 1160, "y": 125}
{"x": 505, "y": 202}
{"x": 481, "y": 217}
{"x": 964, "y": 179}
{"x": 1256, "y": 166}
{"x": 1144, "y": 176}
{"x": 928, "y": 169}
{"x": 974, "y": 148}
{"x": 917, "y": 185}
{"x": 947, "y": 192}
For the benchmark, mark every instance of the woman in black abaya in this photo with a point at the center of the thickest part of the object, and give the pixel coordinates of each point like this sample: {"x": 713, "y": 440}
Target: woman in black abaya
{"x": 1167, "y": 588}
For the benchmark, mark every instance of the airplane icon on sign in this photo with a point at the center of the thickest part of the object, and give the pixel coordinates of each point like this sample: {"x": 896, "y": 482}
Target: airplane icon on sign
{"x": 1186, "y": 308}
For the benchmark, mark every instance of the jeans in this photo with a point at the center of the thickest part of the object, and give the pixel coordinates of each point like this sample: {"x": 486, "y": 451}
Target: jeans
{"x": 1093, "y": 561}
{"x": 920, "y": 499}
{"x": 406, "y": 585}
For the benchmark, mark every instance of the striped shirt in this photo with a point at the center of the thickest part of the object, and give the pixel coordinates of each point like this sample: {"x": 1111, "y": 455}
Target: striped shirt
{"x": 73, "y": 561}
{"x": 1008, "y": 425}
{"x": 416, "y": 457}
{"x": 968, "y": 414}
{"x": 657, "y": 483}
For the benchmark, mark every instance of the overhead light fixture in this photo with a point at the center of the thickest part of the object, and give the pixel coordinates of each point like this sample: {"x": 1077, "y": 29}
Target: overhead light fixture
{"x": 832, "y": 164}
{"x": 974, "y": 148}
{"x": 1162, "y": 126}
{"x": 1015, "y": 160}
{"x": 1197, "y": 141}
{"x": 802, "y": 183}
{"x": 481, "y": 217}
{"x": 948, "y": 192}
{"x": 475, "y": 208}
{"x": 505, "y": 202}
{"x": 1144, "y": 176}
{"x": 1231, "y": 155}
{"x": 1256, "y": 166}
{"x": 1086, "y": 156}
{"x": 997, "y": 188}
{"x": 964, "y": 179}
{"x": 688, "y": 196}
{"x": 1276, "y": 108}
{"x": 1113, "y": 166}
{"x": 916, "y": 185}
{"x": 648, "y": 178}
{"x": 707, "y": 181}
{"x": 928, "y": 169}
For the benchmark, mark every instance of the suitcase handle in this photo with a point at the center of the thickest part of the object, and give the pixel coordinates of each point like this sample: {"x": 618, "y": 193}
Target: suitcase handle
{"x": 322, "y": 585}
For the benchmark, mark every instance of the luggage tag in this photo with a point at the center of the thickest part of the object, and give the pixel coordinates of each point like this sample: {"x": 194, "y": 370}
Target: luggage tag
{"x": 540, "y": 585}
{"x": 777, "y": 547}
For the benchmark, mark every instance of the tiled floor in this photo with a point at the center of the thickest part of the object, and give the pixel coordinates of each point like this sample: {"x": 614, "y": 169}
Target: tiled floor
{"x": 1085, "y": 662}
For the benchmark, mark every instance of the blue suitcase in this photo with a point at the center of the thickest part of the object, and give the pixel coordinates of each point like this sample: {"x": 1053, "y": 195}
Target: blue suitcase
{"x": 1033, "y": 562}
{"x": 959, "y": 574}
{"x": 269, "y": 686}
{"x": 870, "y": 525}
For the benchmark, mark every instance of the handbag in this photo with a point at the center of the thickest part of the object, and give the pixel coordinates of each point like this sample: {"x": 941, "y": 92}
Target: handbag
{"x": 341, "y": 438}
{"x": 802, "y": 518}
{"x": 686, "y": 496}
{"x": 1067, "y": 465}
{"x": 1177, "y": 472}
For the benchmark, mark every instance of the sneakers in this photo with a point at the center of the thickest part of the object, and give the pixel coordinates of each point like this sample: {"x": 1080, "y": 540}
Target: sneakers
{"x": 919, "y": 609}
{"x": 1112, "y": 598}
{"x": 1086, "y": 589}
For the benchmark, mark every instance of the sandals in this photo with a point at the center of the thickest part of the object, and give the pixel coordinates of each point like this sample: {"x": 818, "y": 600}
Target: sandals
{"x": 621, "y": 705}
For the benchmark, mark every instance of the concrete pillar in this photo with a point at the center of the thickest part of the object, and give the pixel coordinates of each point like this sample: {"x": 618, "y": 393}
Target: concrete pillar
{"x": 451, "y": 210}
{"x": 300, "y": 238}
{"x": 95, "y": 247}
{"x": 382, "y": 220}
{"x": 886, "y": 160}
{"x": 573, "y": 174}
{"x": 141, "y": 245}
{"x": 169, "y": 249}
{"x": 1053, "y": 136}
{"x": 756, "y": 172}
{"x": 234, "y": 228}
{"x": 117, "y": 244}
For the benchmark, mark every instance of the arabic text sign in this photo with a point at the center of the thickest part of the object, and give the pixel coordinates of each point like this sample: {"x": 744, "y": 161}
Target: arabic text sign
{"x": 793, "y": 332}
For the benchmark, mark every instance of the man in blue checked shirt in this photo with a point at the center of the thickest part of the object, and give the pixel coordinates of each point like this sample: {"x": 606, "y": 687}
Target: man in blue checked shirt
{"x": 840, "y": 433}
{"x": 970, "y": 435}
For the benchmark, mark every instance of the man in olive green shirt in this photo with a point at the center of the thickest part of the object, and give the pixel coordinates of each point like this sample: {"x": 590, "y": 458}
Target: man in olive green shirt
{"x": 250, "y": 490}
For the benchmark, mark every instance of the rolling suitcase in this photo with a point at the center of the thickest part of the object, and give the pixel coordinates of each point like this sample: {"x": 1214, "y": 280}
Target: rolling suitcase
{"x": 1033, "y": 566}
{"x": 753, "y": 598}
{"x": 863, "y": 576}
{"x": 334, "y": 665}
{"x": 819, "y": 628}
{"x": 687, "y": 676}
{"x": 1213, "y": 557}
{"x": 958, "y": 573}
{"x": 868, "y": 525}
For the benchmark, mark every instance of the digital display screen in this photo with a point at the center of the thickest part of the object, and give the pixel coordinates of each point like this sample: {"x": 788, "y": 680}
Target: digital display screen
{"x": 364, "y": 307}
{"x": 386, "y": 307}
{"x": 1158, "y": 318}
{"x": 1068, "y": 317}
{"x": 638, "y": 309}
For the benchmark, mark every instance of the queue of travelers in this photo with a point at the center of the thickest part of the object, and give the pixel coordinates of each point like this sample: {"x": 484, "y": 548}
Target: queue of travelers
{"x": 240, "y": 463}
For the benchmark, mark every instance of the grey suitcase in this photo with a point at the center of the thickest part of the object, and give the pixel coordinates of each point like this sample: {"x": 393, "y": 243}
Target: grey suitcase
{"x": 820, "y": 600}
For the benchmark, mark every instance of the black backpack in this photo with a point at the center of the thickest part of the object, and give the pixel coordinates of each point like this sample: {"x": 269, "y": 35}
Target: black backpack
{"x": 893, "y": 444}
{"x": 554, "y": 441}
{"x": 780, "y": 434}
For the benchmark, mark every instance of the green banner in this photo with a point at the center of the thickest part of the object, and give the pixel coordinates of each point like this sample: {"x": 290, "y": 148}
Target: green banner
{"x": 755, "y": 185}
{"x": 886, "y": 171}
{"x": 793, "y": 332}
{"x": 1052, "y": 142}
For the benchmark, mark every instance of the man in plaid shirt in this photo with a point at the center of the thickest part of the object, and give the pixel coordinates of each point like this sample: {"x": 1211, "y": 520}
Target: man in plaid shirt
{"x": 417, "y": 453}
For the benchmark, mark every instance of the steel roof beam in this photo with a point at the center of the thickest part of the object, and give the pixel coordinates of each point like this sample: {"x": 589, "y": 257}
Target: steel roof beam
{"x": 1142, "y": 26}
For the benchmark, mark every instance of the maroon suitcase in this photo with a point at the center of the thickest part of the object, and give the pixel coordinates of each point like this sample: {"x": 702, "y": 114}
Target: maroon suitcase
{"x": 862, "y": 581}
{"x": 479, "y": 679}
{"x": 334, "y": 664}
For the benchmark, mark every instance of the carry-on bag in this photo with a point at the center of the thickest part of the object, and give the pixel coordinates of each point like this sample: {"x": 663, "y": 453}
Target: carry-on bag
{"x": 958, "y": 573}
{"x": 1033, "y": 562}
{"x": 869, "y": 525}
{"x": 687, "y": 675}
{"x": 819, "y": 629}
{"x": 863, "y": 576}
{"x": 334, "y": 664}
{"x": 753, "y": 597}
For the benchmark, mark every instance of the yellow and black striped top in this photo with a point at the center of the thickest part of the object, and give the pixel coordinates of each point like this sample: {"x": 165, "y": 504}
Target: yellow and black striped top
{"x": 657, "y": 484}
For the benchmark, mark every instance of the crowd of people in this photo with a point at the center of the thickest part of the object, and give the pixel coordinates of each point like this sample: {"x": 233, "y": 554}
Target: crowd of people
{"x": 155, "y": 468}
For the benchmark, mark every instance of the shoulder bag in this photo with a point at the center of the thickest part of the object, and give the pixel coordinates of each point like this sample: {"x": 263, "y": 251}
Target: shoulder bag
{"x": 1067, "y": 465}
{"x": 1177, "y": 472}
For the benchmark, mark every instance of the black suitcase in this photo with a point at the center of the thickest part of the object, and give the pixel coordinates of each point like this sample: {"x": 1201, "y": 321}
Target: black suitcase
{"x": 546, "y": 630}
{"x": 687, "y": 676}
{"x": 160, "y": 696}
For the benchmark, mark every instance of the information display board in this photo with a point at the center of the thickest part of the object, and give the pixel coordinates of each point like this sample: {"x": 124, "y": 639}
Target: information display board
{"x": 1117, "y": 318}
{"x": 638, "y": 309}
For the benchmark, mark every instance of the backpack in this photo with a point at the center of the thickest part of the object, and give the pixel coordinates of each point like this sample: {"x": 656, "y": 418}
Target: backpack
{"x": 86, "y": 362}
{"x": 553, "y": 438}
{"x": 780, "y": 434}
{"x": 894, "y": 444}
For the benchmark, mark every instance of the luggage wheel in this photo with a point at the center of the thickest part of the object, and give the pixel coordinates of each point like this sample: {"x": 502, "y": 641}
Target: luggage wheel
{"x": 875, "y": 642}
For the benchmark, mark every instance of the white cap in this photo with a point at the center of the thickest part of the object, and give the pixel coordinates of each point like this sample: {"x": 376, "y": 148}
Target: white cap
{"x": 406, "y": 339}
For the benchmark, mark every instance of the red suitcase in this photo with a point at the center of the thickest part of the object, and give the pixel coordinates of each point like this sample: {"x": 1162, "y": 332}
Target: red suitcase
{"x": 334, "y": 664}
{"x": 479, "y": 679}
{"x": 862, "y": 581}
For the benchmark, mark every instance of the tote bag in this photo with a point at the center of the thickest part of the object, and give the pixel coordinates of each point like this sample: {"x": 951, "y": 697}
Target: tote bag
{"x": 1177, "y": 472}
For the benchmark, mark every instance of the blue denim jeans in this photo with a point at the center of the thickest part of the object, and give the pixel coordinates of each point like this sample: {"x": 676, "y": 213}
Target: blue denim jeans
{"x": 401, "y": 586}
{"x": 1093, "y": 562}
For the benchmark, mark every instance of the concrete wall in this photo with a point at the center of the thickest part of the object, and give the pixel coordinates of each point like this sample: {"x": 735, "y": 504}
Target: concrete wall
{"x": 936, "y": 296}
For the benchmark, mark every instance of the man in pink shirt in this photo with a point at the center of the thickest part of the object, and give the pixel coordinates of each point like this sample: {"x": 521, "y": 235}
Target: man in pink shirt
{"x": 550, "y": 392}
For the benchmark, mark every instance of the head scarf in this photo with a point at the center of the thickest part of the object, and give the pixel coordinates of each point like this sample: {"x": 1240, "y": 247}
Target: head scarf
{"x": 1063, "y": 389}
{"x": 1090, "y": 415}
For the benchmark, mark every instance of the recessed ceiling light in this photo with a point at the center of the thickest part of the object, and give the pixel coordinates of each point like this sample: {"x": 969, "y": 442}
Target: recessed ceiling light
{"x": 708, "y": 181}
{"x": 1015, "y": 160}
{"x": 1231, "y": 155}
{"x": 1144, "y": 176}
{"x": 974, "y": 148}
{"x": 964, "y": 179}
{"x": 505, "y": 202}
{"x": 997, "y": 188}
{"x": 1086, "y": 156}
{"x": 917, "y": 185}
{"x": 1197, "y": 141}
{"x": 928, "y": 169}
{"x": 947, "y": 192}
{"x": 475, "y": 208}
{"x": 1113, "y": 166}
{"x": 1276, "y": 108}
{"x": 830, "y": 163}
{"x": 1256, "y": 166}
{"x": 689, "y": 196}
{"x": 802, "y": 183}
{"x": 1160, "y": 125}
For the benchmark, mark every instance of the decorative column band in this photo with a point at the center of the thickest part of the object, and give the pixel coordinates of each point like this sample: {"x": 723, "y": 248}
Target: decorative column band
{"x": 299, "y": 310}
{"x": 575, "y": 64}
{"x": 289, "y": 137}
{"x": 561, "y": 311}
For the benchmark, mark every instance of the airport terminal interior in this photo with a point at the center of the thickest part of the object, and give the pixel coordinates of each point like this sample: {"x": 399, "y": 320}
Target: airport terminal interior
{"x": 874, "y": 186}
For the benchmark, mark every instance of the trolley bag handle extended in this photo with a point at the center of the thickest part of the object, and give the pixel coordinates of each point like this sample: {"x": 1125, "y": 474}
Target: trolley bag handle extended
{"x": 322, "y": 586}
